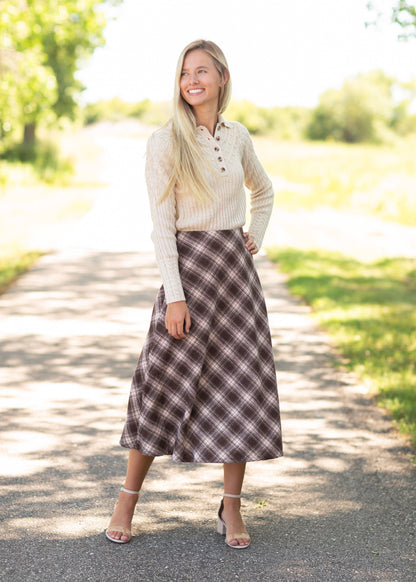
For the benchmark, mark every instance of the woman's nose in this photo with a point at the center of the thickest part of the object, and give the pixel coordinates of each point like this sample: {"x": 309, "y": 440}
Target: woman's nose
{"x": 194, "y": 78}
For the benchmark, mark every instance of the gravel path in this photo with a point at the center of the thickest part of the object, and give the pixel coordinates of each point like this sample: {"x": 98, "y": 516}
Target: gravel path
{"x": 339, "y": 506}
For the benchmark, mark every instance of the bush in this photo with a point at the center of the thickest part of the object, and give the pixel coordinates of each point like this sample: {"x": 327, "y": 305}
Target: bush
{"x": 365, "y": 109}
{"x": 115, "y": 110}
{"x": 279, "y": 122}
{"x": 45, "y": 158}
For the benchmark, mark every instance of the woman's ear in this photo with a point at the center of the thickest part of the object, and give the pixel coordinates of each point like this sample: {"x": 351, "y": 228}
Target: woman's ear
{"x": 226, "y": 77}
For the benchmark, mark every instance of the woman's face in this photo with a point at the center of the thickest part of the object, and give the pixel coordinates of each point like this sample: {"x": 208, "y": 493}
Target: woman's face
{"x": 200, "y": 80}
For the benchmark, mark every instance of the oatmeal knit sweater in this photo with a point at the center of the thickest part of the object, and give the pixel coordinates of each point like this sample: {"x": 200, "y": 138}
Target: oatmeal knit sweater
{"x": 232, "y": 155}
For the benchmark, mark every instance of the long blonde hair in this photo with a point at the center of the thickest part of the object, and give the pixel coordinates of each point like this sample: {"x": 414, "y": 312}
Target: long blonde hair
{"x": 188, "y": 160}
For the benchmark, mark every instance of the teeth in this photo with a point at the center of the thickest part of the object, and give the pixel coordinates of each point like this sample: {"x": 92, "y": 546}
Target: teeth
{"x": 195, "y": 91}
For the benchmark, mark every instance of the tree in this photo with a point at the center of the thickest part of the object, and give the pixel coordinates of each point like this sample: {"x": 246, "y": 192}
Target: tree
{"x": 28, "y": 86}
{"x": 42, "y": 44}
{"x": 401, "y": 12}
{"x": 365, "y": 109}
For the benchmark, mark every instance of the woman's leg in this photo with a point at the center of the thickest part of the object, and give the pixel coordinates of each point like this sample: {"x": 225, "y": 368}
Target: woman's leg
{"x": 233, "y": 482}
{"x": 137, "y": 468}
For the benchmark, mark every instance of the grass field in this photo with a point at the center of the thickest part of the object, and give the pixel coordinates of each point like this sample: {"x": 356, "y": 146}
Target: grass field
{"x": 370, "y": 311}
{"x": 378, "y": 180}
{"x": 14, "y": 265}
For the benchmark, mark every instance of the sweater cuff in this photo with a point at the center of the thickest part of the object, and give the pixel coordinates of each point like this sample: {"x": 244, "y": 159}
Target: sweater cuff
{"x": 171, "y": 279}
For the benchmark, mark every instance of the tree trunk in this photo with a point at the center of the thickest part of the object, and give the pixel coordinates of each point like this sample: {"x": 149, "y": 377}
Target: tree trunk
{"x": 29, "y": 133}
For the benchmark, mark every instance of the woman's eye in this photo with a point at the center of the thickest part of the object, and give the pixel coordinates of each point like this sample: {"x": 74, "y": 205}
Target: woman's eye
{"x": 183, "y": 74}
{"x": 202, "y": 71}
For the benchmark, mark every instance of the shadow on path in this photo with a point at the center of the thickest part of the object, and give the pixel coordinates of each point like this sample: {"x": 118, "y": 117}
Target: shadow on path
{"x": 340, "y": 506}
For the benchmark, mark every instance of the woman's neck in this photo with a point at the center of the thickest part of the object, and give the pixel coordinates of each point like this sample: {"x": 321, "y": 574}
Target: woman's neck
{"x": 207, "y": 118}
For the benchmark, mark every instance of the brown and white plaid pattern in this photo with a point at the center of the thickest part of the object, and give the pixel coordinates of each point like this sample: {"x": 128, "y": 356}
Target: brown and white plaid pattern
{"x": 212, "y": 397}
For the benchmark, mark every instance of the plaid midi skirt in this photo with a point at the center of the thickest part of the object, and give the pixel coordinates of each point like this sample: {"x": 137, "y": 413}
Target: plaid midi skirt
{"x": 212, "y": 397}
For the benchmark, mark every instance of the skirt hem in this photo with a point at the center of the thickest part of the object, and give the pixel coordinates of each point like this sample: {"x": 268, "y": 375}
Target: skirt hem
{"x": 211, "y": 398}
{"x": 194, "y": 460}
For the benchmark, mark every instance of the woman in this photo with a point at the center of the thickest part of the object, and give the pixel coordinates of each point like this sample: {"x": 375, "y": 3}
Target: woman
{"x": 205, "y": 386}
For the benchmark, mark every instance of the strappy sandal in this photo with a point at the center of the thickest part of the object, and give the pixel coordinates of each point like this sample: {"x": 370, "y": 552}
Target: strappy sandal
{"x": 124, "y": 530}
{"x": 222, "y": 528}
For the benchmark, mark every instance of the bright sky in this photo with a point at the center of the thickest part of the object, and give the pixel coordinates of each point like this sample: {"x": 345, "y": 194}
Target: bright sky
{"x": 280, "y": 52}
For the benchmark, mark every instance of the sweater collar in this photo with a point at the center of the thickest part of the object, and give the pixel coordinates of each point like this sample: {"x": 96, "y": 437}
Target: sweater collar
{"x": 223, "y": 121}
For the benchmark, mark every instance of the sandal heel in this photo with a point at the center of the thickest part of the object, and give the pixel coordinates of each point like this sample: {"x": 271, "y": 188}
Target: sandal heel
{"x": 221, "y": 527}
{"x": 125, "y": 531}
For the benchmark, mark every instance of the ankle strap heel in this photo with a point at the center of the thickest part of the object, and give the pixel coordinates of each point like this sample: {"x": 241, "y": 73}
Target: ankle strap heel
{"x": 124, "y": 530}
{"x": 129, "y": 491}
{"x": 222, "y": 528}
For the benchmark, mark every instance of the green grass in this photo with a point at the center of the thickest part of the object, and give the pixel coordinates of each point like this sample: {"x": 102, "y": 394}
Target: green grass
{"x": 44, "y": 159}
{"x": 14, "y": 265}
{"x": 377, "y": 180}
{"x": 370, "y": 311}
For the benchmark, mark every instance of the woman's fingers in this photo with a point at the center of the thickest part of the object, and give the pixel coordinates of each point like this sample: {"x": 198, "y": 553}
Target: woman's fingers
{"x": 250, "y": 243}
{"x": 177, "y": 316}
{"x": 187, "y": 321}
{"x": 179, "y": 333}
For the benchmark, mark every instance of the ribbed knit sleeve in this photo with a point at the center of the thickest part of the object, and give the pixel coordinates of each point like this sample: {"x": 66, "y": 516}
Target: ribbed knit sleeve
{"x": 158, "y": 172}
{"x": 261, "y": 190}
{"x": 233, "y": 164}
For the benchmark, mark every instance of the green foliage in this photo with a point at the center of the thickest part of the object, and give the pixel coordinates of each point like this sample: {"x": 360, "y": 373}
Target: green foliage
{"x": 13, "y": 266}
{"x": 377, "y": 180}
{"x": 363, "y": 110}
{"x": 402, "y": 12}
{"x": 279, "y": 122}
{"x": 250, "y": 115}
{"x": 370, "y": 311}
{"x": 115, "y": 110}
{"x": 48, "y": 164}
{"x": 42, "y": 43}
{"x": 110, "y": 110}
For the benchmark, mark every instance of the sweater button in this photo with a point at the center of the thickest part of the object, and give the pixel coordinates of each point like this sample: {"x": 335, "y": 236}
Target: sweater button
{"x": 217, "y": 149}
{"x": 218, "y": 138}
{"x": 220, "y": 159}
{"x": 222, "y": 169}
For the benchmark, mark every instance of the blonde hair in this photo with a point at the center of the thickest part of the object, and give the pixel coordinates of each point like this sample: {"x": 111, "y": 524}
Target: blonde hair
{"x": 188, "y": 160}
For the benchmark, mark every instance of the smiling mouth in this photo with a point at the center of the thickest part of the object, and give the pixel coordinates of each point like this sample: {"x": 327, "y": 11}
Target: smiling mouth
{"x": 195, "y": 91}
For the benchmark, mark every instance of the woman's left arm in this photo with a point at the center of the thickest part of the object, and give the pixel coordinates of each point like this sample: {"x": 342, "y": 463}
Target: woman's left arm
{"x": 261, "y": 193}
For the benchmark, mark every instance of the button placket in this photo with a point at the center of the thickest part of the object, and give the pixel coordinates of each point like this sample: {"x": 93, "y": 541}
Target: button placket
{"x": 220, "y": 160}
{"x": 217, "y": 149}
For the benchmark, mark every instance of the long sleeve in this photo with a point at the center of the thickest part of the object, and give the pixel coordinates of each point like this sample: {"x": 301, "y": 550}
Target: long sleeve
{"x": 234, "y": 163}
{"x": 261, "y": 190}
{"x": 158, "y": 173}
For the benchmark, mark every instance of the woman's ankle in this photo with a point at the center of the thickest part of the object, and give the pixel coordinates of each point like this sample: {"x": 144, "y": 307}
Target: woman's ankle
{"x": 232, "y": 502}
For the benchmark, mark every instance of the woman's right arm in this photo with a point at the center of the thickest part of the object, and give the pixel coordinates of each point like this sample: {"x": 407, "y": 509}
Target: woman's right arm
{"x": 158, "y": 171}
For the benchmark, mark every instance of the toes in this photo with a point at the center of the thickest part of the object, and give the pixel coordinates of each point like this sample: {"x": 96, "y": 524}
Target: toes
{"x": 116, "y": 535}
{"x": 241, "y": 541}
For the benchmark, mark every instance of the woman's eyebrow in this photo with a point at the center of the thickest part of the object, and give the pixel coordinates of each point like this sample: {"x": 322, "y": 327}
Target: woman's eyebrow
{"x": 197, "y": 67}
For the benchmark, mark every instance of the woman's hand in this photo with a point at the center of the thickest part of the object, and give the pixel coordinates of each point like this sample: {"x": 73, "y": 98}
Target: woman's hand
{"x": 177, "y": 315}
{"x": 250, "y": 243}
